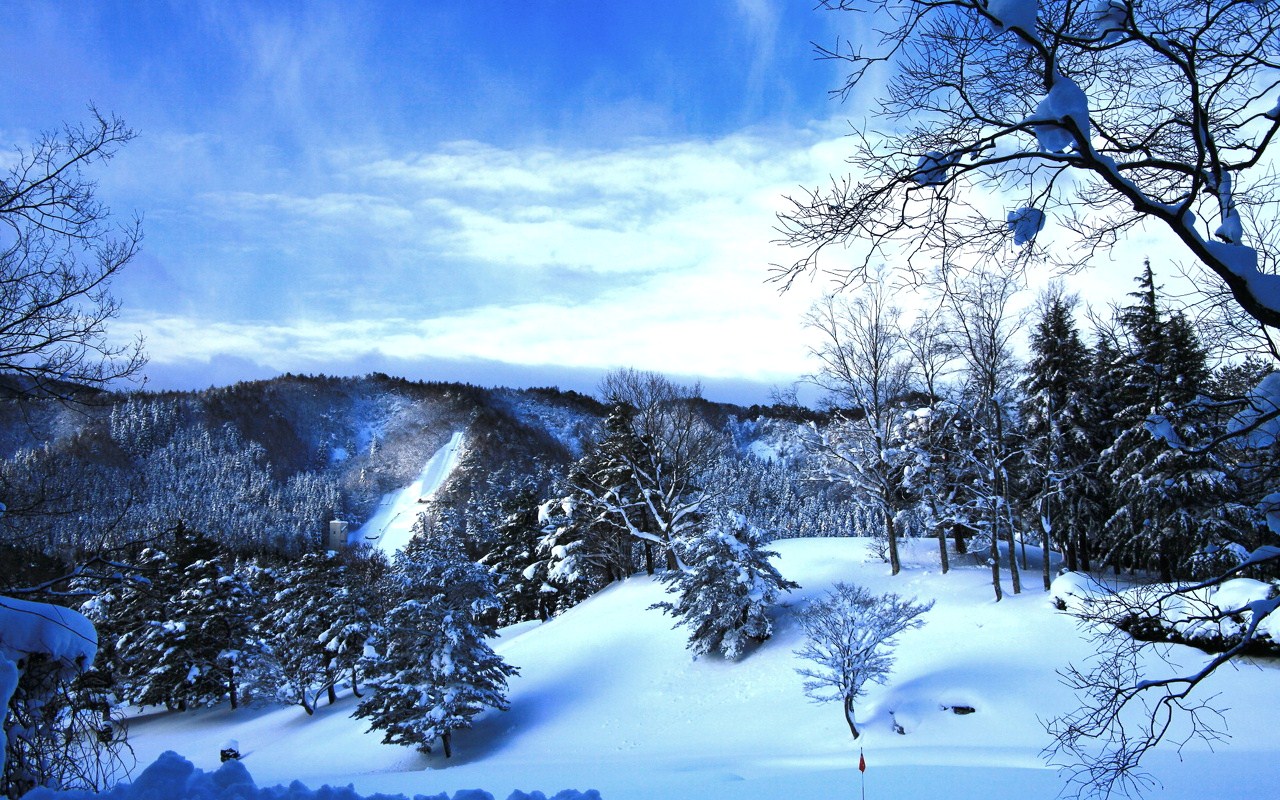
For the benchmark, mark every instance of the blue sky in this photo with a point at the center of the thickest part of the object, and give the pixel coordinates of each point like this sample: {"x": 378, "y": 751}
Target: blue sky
{"x": 523, "y": 192}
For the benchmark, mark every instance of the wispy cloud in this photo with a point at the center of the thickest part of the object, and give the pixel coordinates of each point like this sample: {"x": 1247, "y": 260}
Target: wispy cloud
{"x": 677, "y": 236}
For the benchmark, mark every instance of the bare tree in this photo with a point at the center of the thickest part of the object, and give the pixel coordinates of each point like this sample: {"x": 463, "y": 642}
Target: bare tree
{"x": 665, "y": 473}
{"x": 1101, "y": 117}
{"x": 982, "y": 328}
{"x": 59, "y": 252}
{"x": 932, "y": 357}
{"x": 849, "y": 637}
{"x": 864, "y": 371}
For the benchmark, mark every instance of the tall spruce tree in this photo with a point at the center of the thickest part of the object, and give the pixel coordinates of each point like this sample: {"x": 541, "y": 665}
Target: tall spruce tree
{"x": 1058, "y": 422}
{"x": 432, "y": 669}
{"x": 1168, "y": 491}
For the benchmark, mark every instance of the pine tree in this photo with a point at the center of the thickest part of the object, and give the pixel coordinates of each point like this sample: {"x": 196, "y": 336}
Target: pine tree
{"x": 1169, "y": 492}
{"x": 432, "y": 669}
{"x": 518, "y": 569}
{"x": 318, "y": 622}
{"x": 204, "y": 647}
{"x": 1058, "y": 424}
{"x": 725, "y": 589}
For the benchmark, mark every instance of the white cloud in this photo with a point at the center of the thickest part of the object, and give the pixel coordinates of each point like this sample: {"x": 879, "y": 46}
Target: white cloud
{"x": 653, "y": 256}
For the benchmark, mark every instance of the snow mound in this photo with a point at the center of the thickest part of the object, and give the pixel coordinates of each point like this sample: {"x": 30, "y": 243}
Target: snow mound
{"x": 172, "y": 777}
{"x": 62, "y": 634}
{"x": 1074, "y": 591}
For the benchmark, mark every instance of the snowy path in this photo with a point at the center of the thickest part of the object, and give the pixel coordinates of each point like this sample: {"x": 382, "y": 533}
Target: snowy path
{"x": 391, "y": 526}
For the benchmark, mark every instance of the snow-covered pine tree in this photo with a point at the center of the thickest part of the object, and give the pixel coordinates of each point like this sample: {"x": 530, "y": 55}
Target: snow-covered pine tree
{"x": 518, "y": 569}
{"x": 726, "y": 587}
{"x": 1169, "y": 491}
{"x": 432, "y": 669}
{"x": 318, "y": 622}
{"x": 1058, "y": 424}
{"x": 205, "y": 647}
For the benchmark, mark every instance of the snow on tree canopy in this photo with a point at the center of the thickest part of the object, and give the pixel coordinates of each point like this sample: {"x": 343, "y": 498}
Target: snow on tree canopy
{"x": 1025, "y": 224}
{"x": 1065, "y": 102}
{"x": 62, "y": 634}
{"x": 172, "y": 777}
{"x": 1014, "y": 14}
{"x": 1108, "y": 19}
{"x": 931, "y": 168}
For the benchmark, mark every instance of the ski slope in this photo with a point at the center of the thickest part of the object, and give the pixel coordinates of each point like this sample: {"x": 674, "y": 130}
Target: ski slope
{"x": 608, "y": 698}
{"x": 391, "y": 526}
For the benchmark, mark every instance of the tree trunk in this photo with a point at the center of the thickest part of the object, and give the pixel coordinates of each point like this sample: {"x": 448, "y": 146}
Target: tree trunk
{"x": 849, "y": 716}
{"x": 942, "y": 550}
{"x": 994, "y": 558}
{"x": 333, "y": 695}
{"x": 1014, "y": 575}
{"x": 231, "y": 689}
{"x": 648, "y": 557}
{"x": 446, "y": 739}
{"x": 1045, "y": 525}
{"x": 891, "y": 530}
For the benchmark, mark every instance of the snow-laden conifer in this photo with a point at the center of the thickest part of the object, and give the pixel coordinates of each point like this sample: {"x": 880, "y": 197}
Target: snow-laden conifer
{"x": 725, "y": 589}
{"x": 431, "y": 667}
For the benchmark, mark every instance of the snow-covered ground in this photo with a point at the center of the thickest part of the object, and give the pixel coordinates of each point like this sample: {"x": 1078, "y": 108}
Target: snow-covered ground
{"x": 608, "y": 698}
{"x": 391, "y": 525}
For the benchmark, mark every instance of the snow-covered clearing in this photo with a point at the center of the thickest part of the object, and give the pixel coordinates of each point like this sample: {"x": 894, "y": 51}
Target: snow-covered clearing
{"x": 391, "y": 526}
{"x": 609, "y": 699}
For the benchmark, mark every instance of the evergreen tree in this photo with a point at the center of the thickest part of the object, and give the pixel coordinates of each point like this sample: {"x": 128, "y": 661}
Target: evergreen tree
{"x": 1169, "y": 492}
{"x": 725, "y": 589}
{"x": 1058, "y": 425}
{"x": 432, "y": 669}
{"x": 318, "y": 622}
{"x": 519, "y": 571}
{"x": 204, "y": 646}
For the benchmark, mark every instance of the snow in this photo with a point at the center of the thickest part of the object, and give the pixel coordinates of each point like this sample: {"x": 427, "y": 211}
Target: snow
{"x": 609, "y": 698}
{"x": 1108, "y": 19}
{"x": 27, "y": 627}
{"x": 1073, "y": 591}
{"x": 1065, "y": 102}
{"x": 1014, "y": 14}
{"x": 1025, "y": 224}
{"x": 172, "y": 777}
{"x": 391, "y": 526}
{"x": 931, "y": 168}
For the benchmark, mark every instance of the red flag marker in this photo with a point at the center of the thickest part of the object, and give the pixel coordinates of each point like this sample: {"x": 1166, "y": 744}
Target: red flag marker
{"x": 862, "y": 762}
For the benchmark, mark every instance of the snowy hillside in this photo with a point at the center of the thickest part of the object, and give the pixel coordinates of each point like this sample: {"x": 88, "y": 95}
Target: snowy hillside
{"x": 609, "y": 699}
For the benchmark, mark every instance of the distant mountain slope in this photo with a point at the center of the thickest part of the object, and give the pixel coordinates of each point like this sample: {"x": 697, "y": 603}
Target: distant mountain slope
{"x": 266, "y": 464}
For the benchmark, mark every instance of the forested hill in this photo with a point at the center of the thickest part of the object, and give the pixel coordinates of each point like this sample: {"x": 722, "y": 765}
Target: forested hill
{"x": 264, "y": 465}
